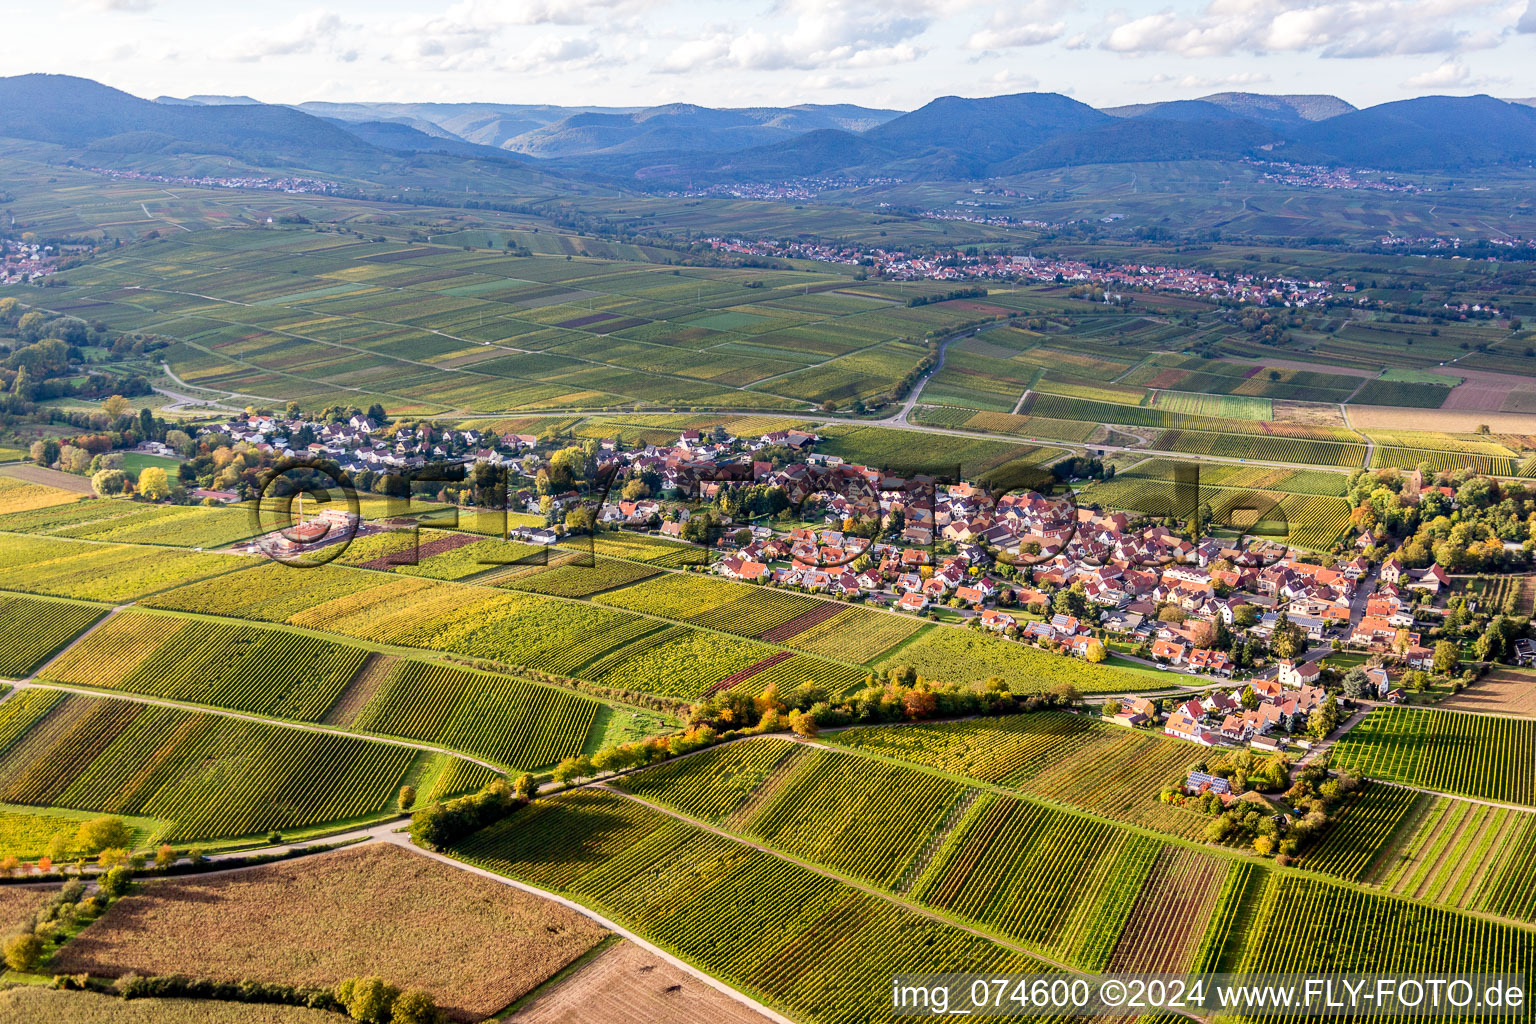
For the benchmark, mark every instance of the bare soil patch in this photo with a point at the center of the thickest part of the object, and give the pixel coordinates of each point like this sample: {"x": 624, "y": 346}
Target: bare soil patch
{"x": 1454, "y": 421}
{"x": 51, "y": 477}
{"x": 1504, "y": 692}
{"x": 628, "y": 983}
{"x": 376, "y": 909}
{"x": 1311, "y": 413}
{"x": 18, "y": 904}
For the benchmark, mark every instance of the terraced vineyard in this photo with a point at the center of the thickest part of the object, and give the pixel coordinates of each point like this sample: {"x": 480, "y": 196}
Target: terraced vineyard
{"x": 809, "y": 945}
{"x": 213, "y": 776}
{"x": 31, "y": 629}
{"x": 223, "y": 664}
{"x": 1448, "y": 751}
{"x": 1063, "y": 757}
{"x": 508, "y": 721}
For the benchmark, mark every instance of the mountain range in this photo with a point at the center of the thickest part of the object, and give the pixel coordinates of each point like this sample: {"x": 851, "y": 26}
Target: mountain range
{"x": 950, "y": 137}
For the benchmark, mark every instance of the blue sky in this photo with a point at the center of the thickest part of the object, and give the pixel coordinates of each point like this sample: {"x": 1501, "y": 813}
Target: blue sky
{"x": 893, "y": 53}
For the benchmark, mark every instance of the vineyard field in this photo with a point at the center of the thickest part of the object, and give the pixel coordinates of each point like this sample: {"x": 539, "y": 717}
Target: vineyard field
{"x": 223, "y": 664}
{"x": 1464, "y": 855}
{"x": 1307, "y": 925}
{"x": 1067, "y": 758}
{"x": 1359, "y": 831}
{"x": 214, "y": 777}
{"x": 508, "y": 721}
{"x": 31, "y": 629}
{"x": 814, "y": 947}
{"x": 1056, "y": 882}
{"x": 965, "y": 656}
{"x": 861, "y": 817}
{"x": 714, "y": 784}
{"x": 1452, "y": 752}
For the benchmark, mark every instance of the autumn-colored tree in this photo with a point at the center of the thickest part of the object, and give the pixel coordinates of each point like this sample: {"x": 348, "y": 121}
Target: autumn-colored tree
{"x": 117, "y": 405}
{"x": 920, "y": 704}
{"x": 154, "y": 484}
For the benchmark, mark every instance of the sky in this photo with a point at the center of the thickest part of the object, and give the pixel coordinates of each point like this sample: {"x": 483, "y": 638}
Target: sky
{"x": 881, "y": 53}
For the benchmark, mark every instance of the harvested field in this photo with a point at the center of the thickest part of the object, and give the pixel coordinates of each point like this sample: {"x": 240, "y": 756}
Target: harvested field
{"x": 1453, "y": 421}
{"x": 1504, "y": 692}
{"x": 30, "y": 1004}
{"x": 366, "y": 910}
{"x": 628, "y": 983}
{"x": 48, "y": 477}
{"x": 17, "y": 904}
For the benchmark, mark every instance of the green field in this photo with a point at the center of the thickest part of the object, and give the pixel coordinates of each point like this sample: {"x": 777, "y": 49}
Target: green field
{"x": 214, "y": 777}
{"x": 1452, "y": 752}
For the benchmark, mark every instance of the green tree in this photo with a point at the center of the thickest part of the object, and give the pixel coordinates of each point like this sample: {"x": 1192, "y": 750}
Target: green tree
{"x": 1447, "y": 657}
{"x": 22, "y": 952}
{"x": 415, "y": 1006}
{"x": 115, "y": 882}
{"x": 576, "y": 767}
{"x": 371, "y": 1000}
{"x": 98, "y": 834}
{"x": 1110, "y": 708}
{"x": 407, "y": 797}
{"x": 108, "y": 482}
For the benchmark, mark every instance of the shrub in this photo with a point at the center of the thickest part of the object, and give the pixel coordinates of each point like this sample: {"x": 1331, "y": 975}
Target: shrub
{"x": 370, "y": 1000}
{"x": 407, "y": 797}
{"x": 22, "y": 952}
{"x": 415, "y": 1006}
{"x": 442, "y": 824}
{"x": 115, "y": 882}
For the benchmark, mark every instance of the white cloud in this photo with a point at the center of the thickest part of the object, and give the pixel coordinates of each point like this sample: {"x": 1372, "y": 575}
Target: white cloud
{"x": 1332, "y": 28}
{"x": 315, "y": 32}
{"x": 1450, "y": 73}
{"x": 122, "y": 6}
{"x": 1012, "y": 81}
{"x": 819, "y": 35}
{"x": 1245, "y": 78}
{"x": 1028, "y": 34}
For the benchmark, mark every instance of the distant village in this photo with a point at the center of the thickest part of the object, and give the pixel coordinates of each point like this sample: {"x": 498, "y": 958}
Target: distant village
{"x": 900, "y": 265}
{"x": 1094, "y": 584}
{"x": 26, "y": 262}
